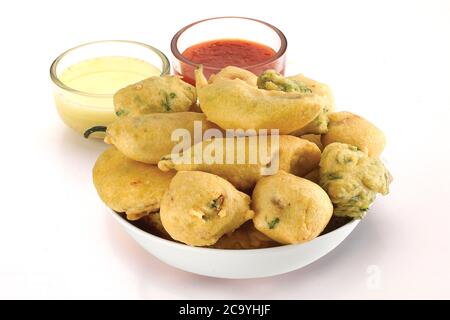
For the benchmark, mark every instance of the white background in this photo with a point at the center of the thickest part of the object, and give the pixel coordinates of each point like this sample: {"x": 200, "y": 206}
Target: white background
{"x": 386, "y": 60}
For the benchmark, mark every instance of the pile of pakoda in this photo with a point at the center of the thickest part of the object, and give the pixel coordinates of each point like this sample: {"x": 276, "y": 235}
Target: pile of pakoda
{"x": 328, "y": 169}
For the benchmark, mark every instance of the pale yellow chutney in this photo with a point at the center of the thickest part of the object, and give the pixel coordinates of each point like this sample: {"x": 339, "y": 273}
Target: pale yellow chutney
{"x": 88, "y": 100}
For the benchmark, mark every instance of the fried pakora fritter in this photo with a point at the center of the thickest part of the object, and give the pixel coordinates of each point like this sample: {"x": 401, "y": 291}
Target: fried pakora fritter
{"x": 199, "y": 208}
{"x": 295, "y": 155}
{"x": 245, "y": 237}
{"x": 352, "y": 179}
{"x": 147, "y": 138}
{"x": 290, "y": 209}
{"x": 235, "y": 73}
{"x": 192, "y": 195}
{"x": 233, "y": 103}
{"x": 154, "y": 95}
{"x": 129, "y": 186}
{"x": 272, "y": 80}
{"x": 346, "y": 127}
{"x": 314, "y": 138}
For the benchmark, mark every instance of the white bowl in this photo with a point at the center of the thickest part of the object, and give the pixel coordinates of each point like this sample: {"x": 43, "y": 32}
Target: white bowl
{"x": 237, "y": 264}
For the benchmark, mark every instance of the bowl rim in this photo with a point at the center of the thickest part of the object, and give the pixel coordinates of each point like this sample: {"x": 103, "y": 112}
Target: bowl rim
{"x": 126, "y": 224}
{"x": 56, "y": 80}
{"x": 179, "y": 56}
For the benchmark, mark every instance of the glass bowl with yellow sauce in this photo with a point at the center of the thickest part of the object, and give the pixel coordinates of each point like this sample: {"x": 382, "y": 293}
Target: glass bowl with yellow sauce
{"x": 86, "y": 77}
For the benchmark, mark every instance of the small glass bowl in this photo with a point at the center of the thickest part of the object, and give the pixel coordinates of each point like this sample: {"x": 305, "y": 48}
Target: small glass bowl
{"x": 228, "y": 28}
{"x": 82, "y": 110}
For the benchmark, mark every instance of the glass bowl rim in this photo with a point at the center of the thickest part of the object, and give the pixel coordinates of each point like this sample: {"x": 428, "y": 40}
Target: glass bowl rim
{"x": 165, "y": 69}
{"x": 281, "y": 51}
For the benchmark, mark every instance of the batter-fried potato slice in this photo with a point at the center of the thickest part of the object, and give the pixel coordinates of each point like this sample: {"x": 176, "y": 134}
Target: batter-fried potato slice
{"x": 346, "y": 127}
{"x": 199, "y": 208}
{"x": 314, "y": 138}
{"x": 272, "y": 80}
{"x": 147, "y": 138}
{"x": 235, "y": 73}
{"x": 296, "y": 155}
{"x": 129, "y": 186}
{"x": 154, "y": 95}
{"x": 320, "y": 124}
{"x": 236, "y": 104}
{"x": 290, "y": 209}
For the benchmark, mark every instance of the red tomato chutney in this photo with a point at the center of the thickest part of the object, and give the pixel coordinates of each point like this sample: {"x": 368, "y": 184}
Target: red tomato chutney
{"x": 217, "y": 54}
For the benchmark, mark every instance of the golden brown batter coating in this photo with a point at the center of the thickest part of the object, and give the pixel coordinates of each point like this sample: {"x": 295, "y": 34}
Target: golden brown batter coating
{"x": 235, "y": 73}
{"x": 296, "y": 156}
{"x": 233, "y": 103}
{"x": 352, "y": 179}
{"x": 290, "y": 209}
{"x": 346, "y": 127}
{"x": 272, "y": 80}
{"x": 199, "y": 208}
{"x": 147, "y": 138}
{"x": 129, "y": 186}
{"x": 314, "y": 138}
{"x": 155, "y": 95}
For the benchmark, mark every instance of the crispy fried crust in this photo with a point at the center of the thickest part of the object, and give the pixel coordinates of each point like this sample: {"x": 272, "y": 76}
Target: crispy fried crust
{"x": 129, "y": 186}
{"x": 346, "y": 127}
{"x": 154, "y": 95}
{"x": 147, "y": 138}
{"x": 233, "y": 103}
{"x": 199, "y": 208}
{"x": 290, "y": 209}
{"x": 296, "y": 155}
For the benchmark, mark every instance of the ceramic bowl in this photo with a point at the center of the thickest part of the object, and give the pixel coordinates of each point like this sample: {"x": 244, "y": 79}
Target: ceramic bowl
{"x": 237, "y": 264}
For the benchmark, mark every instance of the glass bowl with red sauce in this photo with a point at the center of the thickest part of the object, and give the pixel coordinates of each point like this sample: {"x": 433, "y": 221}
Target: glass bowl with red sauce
{"x": 219, "y": 42}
